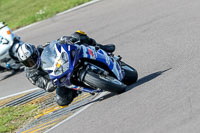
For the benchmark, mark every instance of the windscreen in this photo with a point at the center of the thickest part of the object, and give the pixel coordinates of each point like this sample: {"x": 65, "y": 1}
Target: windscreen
{"x": 55, "y": 59}
{"x": 48, "y": 56}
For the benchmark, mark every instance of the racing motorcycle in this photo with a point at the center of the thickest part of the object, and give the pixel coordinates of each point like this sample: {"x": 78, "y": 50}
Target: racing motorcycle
{"x": 9, "y": 44}
{"x": 86, "y": 68}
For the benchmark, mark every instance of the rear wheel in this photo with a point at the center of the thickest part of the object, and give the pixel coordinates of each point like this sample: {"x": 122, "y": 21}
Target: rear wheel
{"x": 107, "y": 82}
{"x": 131, "y": 74}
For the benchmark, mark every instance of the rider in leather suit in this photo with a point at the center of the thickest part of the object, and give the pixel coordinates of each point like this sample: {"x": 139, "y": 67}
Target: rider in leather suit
{"x": 37, "y": 76}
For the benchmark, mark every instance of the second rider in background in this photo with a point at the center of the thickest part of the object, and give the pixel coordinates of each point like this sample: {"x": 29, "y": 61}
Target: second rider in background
{"x": 9, "y": 44}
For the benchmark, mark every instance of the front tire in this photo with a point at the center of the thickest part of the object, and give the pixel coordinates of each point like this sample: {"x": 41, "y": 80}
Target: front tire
{"x": 107, "y": 83}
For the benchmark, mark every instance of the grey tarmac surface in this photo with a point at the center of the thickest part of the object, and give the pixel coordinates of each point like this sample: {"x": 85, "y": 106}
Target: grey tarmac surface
{"x": 161, "y": 39}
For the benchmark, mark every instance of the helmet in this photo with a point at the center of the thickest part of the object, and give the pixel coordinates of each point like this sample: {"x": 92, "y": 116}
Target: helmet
{"x": 29, "y": 55}
{"x": 6, "y": 40}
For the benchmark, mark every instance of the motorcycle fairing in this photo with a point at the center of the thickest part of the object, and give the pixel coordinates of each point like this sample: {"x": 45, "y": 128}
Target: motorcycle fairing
{"x": 90, "y": 52}
{"x": 6, "y": 41}
{"x": 81, "y": 51}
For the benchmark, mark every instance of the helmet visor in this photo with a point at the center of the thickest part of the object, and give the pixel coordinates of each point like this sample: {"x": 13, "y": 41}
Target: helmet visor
{"x": 31, "y": 61}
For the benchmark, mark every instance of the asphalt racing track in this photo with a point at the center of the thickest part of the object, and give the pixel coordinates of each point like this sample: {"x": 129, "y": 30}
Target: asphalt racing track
{"x": 160, "y": 38}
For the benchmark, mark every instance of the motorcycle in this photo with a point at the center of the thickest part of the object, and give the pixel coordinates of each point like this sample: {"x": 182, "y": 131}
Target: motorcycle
{"x": 86, "y": 68}
{"x": 9, "y": 44}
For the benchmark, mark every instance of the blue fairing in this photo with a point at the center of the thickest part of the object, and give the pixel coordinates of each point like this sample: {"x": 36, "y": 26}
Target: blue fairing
{"x": 99, "y": 55}
{"x": 58, "y": 61}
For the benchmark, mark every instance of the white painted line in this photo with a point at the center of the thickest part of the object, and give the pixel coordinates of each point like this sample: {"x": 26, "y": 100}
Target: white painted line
{"x": 28, "y": 26}
{"x": 78, "y": 7}
{"x": 19, "y": 93}
{"x": 67, "y": 11}
{"x": 78, "y": 112}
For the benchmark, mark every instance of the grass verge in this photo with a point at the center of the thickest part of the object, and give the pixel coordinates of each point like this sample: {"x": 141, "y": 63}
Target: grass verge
{"x": 18, "y": 13}
{"x": 11, "y": 118}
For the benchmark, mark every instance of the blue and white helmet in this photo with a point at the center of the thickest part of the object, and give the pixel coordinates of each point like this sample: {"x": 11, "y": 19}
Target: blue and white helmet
{"x": 29, "y": 55}
{"x": 6, "y": 40}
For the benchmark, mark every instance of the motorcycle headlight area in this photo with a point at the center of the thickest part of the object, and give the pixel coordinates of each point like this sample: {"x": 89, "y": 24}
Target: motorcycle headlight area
{"x": 62, "y": 64}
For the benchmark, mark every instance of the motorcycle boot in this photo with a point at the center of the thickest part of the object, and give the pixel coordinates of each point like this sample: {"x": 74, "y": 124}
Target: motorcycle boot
{"x": 65, "y": 96}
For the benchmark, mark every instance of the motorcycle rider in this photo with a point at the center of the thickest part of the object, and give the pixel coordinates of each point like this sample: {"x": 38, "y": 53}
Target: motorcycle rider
{"x": 9, "y": 44}
{"x": 29, "y": 55}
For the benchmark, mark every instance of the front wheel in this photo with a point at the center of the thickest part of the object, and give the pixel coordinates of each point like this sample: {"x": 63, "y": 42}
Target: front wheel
{"x": 107, "y": 82}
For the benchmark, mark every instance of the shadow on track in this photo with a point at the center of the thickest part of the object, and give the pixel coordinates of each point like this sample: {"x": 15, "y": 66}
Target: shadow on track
{"x": 12, "y": 74}
{"x": 139, "y": 82}
{"x": 146, "y": 79}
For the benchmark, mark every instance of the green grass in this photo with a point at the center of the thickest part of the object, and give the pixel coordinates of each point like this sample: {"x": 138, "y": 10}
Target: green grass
{"x": 11, "y": 118}
{"x": 18, "y": 13}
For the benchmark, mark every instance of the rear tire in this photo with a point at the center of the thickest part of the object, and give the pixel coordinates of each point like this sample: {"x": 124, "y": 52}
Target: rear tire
{"x": 107, "y": 83}
{"x": 131, "y": 74}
